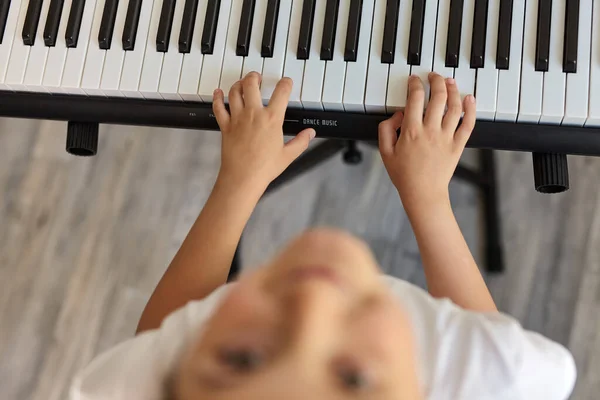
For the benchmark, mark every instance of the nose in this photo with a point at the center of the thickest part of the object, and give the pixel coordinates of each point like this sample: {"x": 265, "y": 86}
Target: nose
{"x": 315, "y": 310}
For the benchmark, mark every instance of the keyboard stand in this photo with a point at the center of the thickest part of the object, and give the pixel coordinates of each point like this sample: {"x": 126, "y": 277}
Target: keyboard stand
{"x": 484, "y": 179}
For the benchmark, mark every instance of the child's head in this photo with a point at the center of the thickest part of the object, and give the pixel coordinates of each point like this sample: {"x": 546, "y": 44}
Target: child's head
{"x": 316, "y": 322}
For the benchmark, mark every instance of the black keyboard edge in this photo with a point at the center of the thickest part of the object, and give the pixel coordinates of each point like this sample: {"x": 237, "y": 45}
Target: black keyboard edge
{"x": 334, "y": 125}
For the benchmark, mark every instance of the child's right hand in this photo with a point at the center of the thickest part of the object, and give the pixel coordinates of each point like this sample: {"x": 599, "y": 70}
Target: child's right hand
{"x": 422, "y": 160}
{"x": 253, "y": 150}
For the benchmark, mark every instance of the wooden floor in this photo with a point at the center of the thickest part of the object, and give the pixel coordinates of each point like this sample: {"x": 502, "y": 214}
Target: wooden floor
{"x": 84, "y": 241}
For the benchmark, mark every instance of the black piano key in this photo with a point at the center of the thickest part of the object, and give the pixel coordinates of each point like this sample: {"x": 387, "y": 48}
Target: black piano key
{"x": 4, "y": 8}
{"x": 209, "y": 31}
{"x": 504, "y": 34}
{"x": 390, "y": 30}
{"x": 329, "y": 29}
{"x": 74, "y": 23}
{"x": 306, "y": 27}
{"x": 245, "y": 31}
{"x": 571, "y": 36}
{"x": 52, "y": 22}
{"x": 187, "y": 25}
{"x": 130, "y": 28}
{"x": 353, "y": 32}
{"x": 454, "y": 33}
{"x": 165, "y": 24}
{"x": 415, "y": 40}
{"x": 479, "y": 33}
{"x": 32, "y": 19}
{"x": 542, "y": 45}
{"x": 268, "y": 38}
{"x": 107, "y": 24}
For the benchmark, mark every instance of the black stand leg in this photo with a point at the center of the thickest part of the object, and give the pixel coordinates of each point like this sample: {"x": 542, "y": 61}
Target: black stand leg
{"x": 493, "y": 245}
{"x": 235, "y": 269}
{"x": 485, "y": 180}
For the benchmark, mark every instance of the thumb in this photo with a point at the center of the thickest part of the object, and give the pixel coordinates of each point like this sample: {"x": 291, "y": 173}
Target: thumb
{"x": 297, "y": 145}
{"x": 387, "y": 133}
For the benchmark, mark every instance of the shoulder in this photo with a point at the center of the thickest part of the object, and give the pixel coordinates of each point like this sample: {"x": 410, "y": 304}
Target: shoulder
{"x": 466, "y": 354}
{"x": 138, "y": 367}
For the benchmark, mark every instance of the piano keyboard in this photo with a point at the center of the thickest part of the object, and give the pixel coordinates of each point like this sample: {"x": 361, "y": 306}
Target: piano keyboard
{"x": 534, "y": 61}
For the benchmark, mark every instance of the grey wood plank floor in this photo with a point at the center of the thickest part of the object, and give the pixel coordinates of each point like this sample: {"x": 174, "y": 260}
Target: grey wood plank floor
{"x": 84, "y": 241}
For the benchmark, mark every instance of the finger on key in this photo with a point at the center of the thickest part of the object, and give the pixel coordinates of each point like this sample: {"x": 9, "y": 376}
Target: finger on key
{"x": 454, "y": 112}
{"x": 437, "y": 102}
{"x": 413, "y": 113}
{"x": 463, "y": 133}
{"x": 236, "y": 100}
{"x": 251, "y": 90}
{"x": 281, "y": 96}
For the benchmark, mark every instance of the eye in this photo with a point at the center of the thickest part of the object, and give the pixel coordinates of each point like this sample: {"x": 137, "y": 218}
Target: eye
{"x": 242, "y": 360}
{"x": 354, "y": 379}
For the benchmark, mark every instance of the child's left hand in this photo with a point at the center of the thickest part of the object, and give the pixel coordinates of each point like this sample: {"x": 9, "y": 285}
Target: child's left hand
{"x": 253, "y": 151}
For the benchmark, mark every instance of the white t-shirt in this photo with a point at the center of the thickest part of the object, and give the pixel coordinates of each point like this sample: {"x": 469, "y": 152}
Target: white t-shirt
{"x": 462, "y": 354}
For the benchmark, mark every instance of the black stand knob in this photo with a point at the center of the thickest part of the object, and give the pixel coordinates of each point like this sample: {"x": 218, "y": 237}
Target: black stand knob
{"x": 352, "y": 155}
{"x": 550, "y": 172}
{"x": 82, "y": 138}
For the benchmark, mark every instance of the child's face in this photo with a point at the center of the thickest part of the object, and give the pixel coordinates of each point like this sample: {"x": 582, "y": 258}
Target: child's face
{"x": 314, "y": 323}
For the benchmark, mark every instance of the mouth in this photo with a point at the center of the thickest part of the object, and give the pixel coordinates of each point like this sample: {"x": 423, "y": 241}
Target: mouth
{"x": 321, "y": 273}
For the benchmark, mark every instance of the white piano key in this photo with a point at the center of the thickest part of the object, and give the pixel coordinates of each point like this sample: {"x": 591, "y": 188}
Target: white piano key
{"x": 553, "y": 97}
{"x": 153, "y": 59}
{"x": 593, "y": 118}
{"x": 232, "y": 63}
{"x": 10, "y": 32}
{"x": 530, "y": 101}
{"x": 132, "y": 64}
{"x": 509, "y": 81}
{"x": 254, "y": 60}
{"x": 293, "y": 67}
{"x": 212, "y": 64}
{"x": 397, "y": 86}
{"x": 19, "y": 55}
{"x": 94, "y": 59}
{"x": 192, "y": 61}
{"x": 464, "y": 75}
{"x": 356, "y": 72}
{"x": 335, "y": 70}
{"x": 553, "y": 94}
{"x": 578, "y": 84}
{"x": 273, "y": 67}
{"x": 76, "y": 56}
{"x": 36, "y": 63}
{"x": 171, "y": 69}
{"x": 57, "y": 55}
{"x": 377, "y": 73}
{"x": 441, "y": 40}
{"x": 113, "y": 63}
{"x": 314, "y": 67}
{"x": 486, "y": 87}
{"x": 428, "y": 46}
